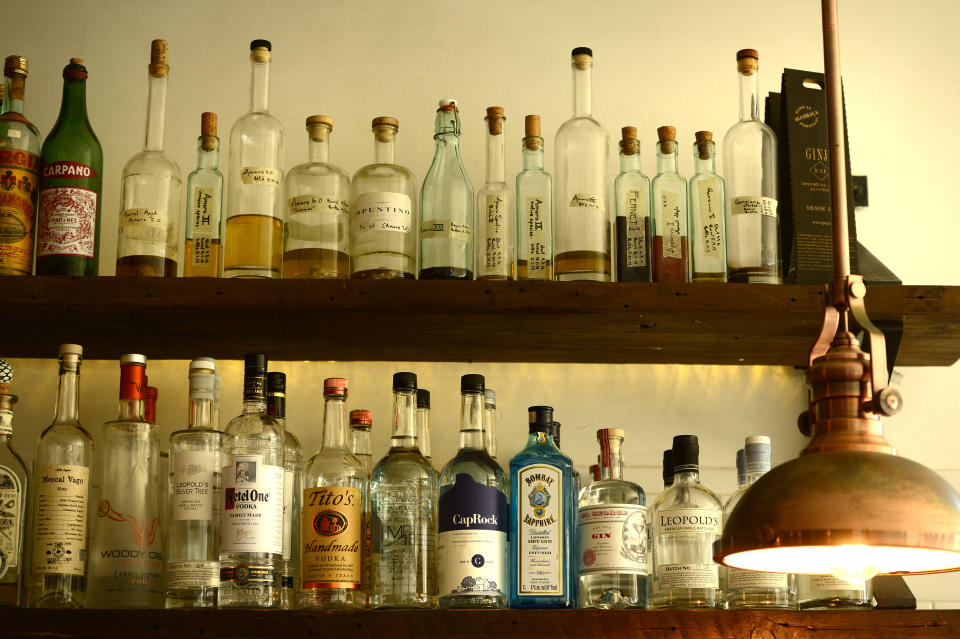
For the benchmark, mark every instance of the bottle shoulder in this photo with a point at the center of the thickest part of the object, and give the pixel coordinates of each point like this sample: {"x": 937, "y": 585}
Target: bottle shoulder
{"x": 476, "y": 463}
{"x": 255, "y": 121}
{"x": 494, "y": 188}
{"x": 204, "y": 177}
{"x": 19, "y": 134}
{"x": 586, "y": 125}
{"x": 11, "y": 459}
{"x": 71, "y": 145}
{"x": 612, "y": 491}
{"x": 748, "y": 131}
{"x": 384, "y": 171}
{"x": 632, "y": 178}
{"x": 318, "y": 170}
{"x": 402, "y": 465}
{"x": 255, "y": 426}
{"x": 330, "y": 463}
{"x": 688, "y": 496}
{"x": 156, "y": 163}
{"x": 199, "y": 435}
{"x": 56, "y": 435}
{"x": 666, "y": 180}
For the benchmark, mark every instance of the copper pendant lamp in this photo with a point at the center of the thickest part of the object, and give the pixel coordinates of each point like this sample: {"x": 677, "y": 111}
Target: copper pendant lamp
{"x": 848, "y": 506}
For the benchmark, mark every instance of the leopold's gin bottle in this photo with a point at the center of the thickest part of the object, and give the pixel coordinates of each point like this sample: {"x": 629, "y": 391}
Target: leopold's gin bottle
{"x": 707, "y": 204}
{"x": 203, "y": 245}
{"x": 495, "y": 250}
{"x": 534, "y": 209}
{"x": 631, "y": 192}
{"x": 13, "y": 497}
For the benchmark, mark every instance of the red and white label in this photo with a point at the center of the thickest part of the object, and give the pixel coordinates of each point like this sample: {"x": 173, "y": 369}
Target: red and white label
{"x": 67, "y": 221}
{"x": 65, "y": 170}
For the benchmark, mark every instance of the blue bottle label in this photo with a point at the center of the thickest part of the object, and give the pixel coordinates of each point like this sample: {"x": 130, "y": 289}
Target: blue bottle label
{"x": 539, "y": 543}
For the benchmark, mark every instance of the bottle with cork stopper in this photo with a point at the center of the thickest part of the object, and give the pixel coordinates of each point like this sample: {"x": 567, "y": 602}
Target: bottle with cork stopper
{"x": 631, "y": 192}
{"x": 315, "y": 242}
{"x": 534, "y": 208}
{"x": 496, "y": 255}
{"x": 149, "y": 234}
{"x": 384, "y": 213}
{"x": 670, "y": 252}
{"x": 203, "y": 245}
{"x": 708, "y": 261}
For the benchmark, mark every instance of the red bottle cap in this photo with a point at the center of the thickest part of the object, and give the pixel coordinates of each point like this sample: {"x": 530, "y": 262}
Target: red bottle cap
{"x": 361, "y": 417}
{"x": 335, "y": 386}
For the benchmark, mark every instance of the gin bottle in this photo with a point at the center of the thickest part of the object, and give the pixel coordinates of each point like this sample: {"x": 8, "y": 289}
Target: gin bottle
{"x": 383, "y": 234}
{"x": 613, "y": 551}
{"x": 581, "y": 229}
{"x": 687, "y": 519}
{"x": 13, "y": 497}
{"x": 490, "y": 422}
{"x": 707, "y": 205}
{"x": 58, "y": 575}
{"x": 670, "y": 251}
{"x": 360, "y": 423}
{"x": 668, "y": 468}
{"x": 631, "y": 192}
{"x": 826, "y": 592}
{"x": 750, "y": 167}
{"x": 203, "y": 246}
{"x": 150, "y": 189}
{"x": 496, "y": 258}
{"x": 254, "y": 236}
{"x": 403, "y": 498}
{"x": 315, "y": 241}
{"x": 446, "y": 199}
{"x": 251, "y": 525}
{"x": 292, "y": 490}
{"x": 196, "y": 498}
{"x": 472, "y": 525}
{"x": 332, "y": 516}
{"x": 423, "y": 423}
{"x": 534, "y": 209}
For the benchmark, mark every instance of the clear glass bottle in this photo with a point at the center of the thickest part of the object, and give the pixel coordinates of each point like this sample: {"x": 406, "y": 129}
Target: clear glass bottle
{"x": 126, "y": 551}
{"x": 253, "y": 245}
{"x": 671, "y": 261}
{"x": 292, "y": 491}
{"x": 490, "y": 422}
{"x": 15, "y": 489}
{"x": 750, "y": 170}
{"x": 19, "y": 173}
{"x": 217, "y": 387}
{"x": 315, "y": 243}
{"x": 708, "y": 261}
{"x": 423, "y": 423}
{"x": 826, "y": 592}
{"x": 251, "y": 525}
{"x": 496, "y": 254}
{"x": 334, "y": 508}
{"x": 668, "y": 468}
{"x": 58, "y": 570}
{"x": 360, "y": 423}
{"x": 581, "y": 222}
{"x": 750, "y": 588}
{"x": 446, "y": 201}
{"x": 613, "y": 549}
{"x": 383, "y": 233}
{"x": 534, "y": 208}
{"x": 196, "y": 498}
{"x": 149, "y": 236}
{"x": 687, "y": 519}
{"x": 472, "y": 538}
{"x": 631, "y": 192}
{"x": 403, "y": 500}
{"x": 203, "y": 243}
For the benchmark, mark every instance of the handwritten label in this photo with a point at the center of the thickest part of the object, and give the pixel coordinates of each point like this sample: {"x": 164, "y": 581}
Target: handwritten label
{"x": 495, "y": 250}
{"x": 143, "y": 232}
{"x": 711, "y": 218}
{"x": 671, "y": 215}
{"x": 637, "y": 206}
{"x": 536, "y": 227}
{"x": 143, "y": 218}
{"x": 204, "y": 226}
{"x": 261, "y": 175}
{"x": 445, "y": 229}
{"x": 316, "y": 203}
{"x": 587, "y": 201}
{"x": 747, "y": 205}
{"x": 382, "y": 212}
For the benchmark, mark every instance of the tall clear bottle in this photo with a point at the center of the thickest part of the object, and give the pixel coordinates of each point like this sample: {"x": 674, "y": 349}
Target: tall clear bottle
{"x": 490, "y": 422}
{"x": 196, "y": 498}
{"x": 334, "y": 508}
{"x": 423, "y": 423}
{"x": 255, "y": 206}
{"x": 149, "y": 236}
{"x": 315, "y": 242}
{"x": 581, "y": 222}
{"x": 384, "y": 215}
{"x": 496, "y": 253}
{"x": 826, "y": 592}
{"x": 292, "y": 491}
{"x": 472, "y": 541}
{"x": 360, "y": 423}
{"x": 403, "y": 500}
{"x": 707, "y": 219}
{"x": 61, "y": 471}
{"x": 446, "y": 200}
{"x": 671, "y": 252}
{"x": 631, "y": 193}
{"x": 203, "y": 244}
{"x": 534, "y": 208}
{"x": 750, "y": 169}
{"x": 14, "y": 493}
{"x": 251, "y": 526}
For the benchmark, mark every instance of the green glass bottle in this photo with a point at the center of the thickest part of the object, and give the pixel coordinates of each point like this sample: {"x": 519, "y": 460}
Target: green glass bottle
{"x": 68, "y": 217}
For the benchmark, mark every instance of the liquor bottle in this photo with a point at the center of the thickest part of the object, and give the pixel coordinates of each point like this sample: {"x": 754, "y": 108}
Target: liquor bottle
{"x": 149, "y": 234}
{"x": 334, "y": 506}
{"x": 687, "y": 519}
{"x": 472, "y": 538}
{"x": 490, "y": 422}
{"x": 581, "y": 229}
{"x": 631, "y": 192}
{"x": 555, "y": 431}
{"x": 58, "y": 575}
{"x": 71, "y": 160}
{"x": 150, "y": 395}
{"x": 542, "y": 519}
{"x": 614, "y": 556}
{"x": 595, "y": 472}
{"x": 19, "y": 170}
{"x": 446, "y": 205}
{"x": 196, "y": 498}
{"x": 383, "y": 234}
{"x": 217, "y": 387}
{"x": 315, "y": 242}
{"x": 203, "y": 244}
{"x": 741, "y": 471}
{"x": 403, "y": 499}
{"x": 750, "y": 167}
{"x": 360, "y": 423}
{"x": 14, "y": 491}
{"x": 534, "y": 209}
{"x": 496, "y": 254}
{"x": 750, "y": 588}
{"x": 292, "y": 491}
{"x": 251, "y": 525}
{"x": 670, "y": 250}
{"x": 826, "y": 592}
{"x": 707, "y": 205}
{"x": 668, "y": 468}
{"x": 254, "y": 236}
{"x": 423, "y": 423}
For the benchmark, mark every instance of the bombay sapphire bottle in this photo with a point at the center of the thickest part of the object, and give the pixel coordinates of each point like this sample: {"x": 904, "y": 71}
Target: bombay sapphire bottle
{"x": 534, "y": 209}
{"x": 707, "y": 204}
{"x": 631, "y": 192}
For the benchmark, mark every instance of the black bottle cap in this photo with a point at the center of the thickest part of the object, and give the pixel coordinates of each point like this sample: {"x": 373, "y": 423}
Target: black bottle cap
{"x": 556, "y": 433}
{"x": 276, "y": 382}
{"x": 668, "y": 467}
{"x": 261, "y": 43}
{"x": 686, "y": 452}
{"x": 423, "y": 398}
{"x": 255, "y": 364}
{"x": 582, "y": 51}
{"x": 541, "y": 419}
{"x": 404, "y": 382}
{"x": 471, "y": 384}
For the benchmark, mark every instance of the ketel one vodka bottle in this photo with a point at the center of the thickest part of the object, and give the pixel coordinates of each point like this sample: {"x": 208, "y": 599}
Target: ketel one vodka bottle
{"x": 542, "y": 519}
{"x": 13, "y": 497}
{"x": 251, "y": 546}
{"x": 126, "y": 552}
{"x": 614, "y": 555}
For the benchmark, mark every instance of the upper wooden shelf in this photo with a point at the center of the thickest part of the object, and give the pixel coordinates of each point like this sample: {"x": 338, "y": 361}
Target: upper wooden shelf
{"x": 454, "y": 321}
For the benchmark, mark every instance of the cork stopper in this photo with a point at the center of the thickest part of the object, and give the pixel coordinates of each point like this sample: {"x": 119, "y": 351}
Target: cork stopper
{"x": 704, "y": 144}
{"x": 77, "y": 61}
{"x": 531, "y": 129}
{"x": 208, "y": 131}
{"x": 260, "y": 50}
{"x": 385, "y": 128}
{"x": 15, "y": 64}
{"x": 668, "y": 138}
{"x": 629, "y": 143}
{"x": 495, "y": 120}
{"x": 582, "y": 57}
{"x": 319, "y": 127}
{"x": 748, "y": 61}
{"x": 158, "y": 58}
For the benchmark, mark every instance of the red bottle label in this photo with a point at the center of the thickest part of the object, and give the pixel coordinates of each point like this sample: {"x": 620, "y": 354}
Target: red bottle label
{"x": 65, "y": 170}
{"x": 133, "y": 381}
{"x": 67, "y": 221}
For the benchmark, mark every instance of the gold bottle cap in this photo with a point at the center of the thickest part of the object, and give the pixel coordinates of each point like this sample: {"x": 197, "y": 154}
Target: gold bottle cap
{"x": 668, "y": 138}
{"x": 15, "y": 64}
{"x": 704, "y": 140}
{"x": 208, "y": 131}
{"x": 748, "y": 53}
{"x": 748, "y": 61}
{"x": 158, "y": 58}
{"x": 320, "y": 119}
{"x": 495, "y": 119}
{"x": 386, "y": 120}
{"x": 531, "y": 126}
{"x": 385, "y": 128}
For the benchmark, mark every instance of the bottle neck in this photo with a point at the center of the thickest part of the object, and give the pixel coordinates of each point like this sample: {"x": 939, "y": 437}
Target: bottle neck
{"x": 404, "y": 419}
{"x": 201, "y": 413}
{"x": 447, "y": 131}
{"x": 471, "y": 421}
{"x": 254, "y": 406}
{"x": 68, "y": 396}
{"x": 423, "y": 431}
{"x": 751, "y": 476}
{"x": 629, "y": 163}
{"x": 494, "y": 158}
{"x": 613, "y": 469}
{"x": 259, "y": 87}
{"x": 666, "y": 161}
{"x": 73, "y": 105}
{"x": 156, "y": 111}
{"x": 277, "y": 405}
{"x": 533, "y": 158}
{"x": 687, "y": 476}
{"x": 360, "y": 445}
{"x": 15, "y": 87}
{"x": 582, "y": 91}
{"x": 383, "y": 149}
{"x": 318, "y": 150}
{"x": 490, "y": 429}
{"x": 749, "y": 95}
{"x": 334, "y": 422}
{"x": 208, "y": 159}
{"x": 704, "y": 165}
{"x": 131, "y": 409}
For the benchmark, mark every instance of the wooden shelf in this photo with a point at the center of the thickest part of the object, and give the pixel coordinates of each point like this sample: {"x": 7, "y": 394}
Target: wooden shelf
{"x": 454, "y": 321}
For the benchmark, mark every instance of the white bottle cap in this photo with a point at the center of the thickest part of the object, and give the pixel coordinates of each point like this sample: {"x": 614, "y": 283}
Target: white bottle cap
{"x": 206, "y": 363}
{"x": 133, "y": 358}
{"x": 71, "y": 349}
{"x": 448, "y": 102}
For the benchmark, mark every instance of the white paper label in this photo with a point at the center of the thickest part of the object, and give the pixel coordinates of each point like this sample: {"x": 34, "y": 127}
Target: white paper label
{"x": 144, "y": 232}
{"x": 613, "y": 537}
{"x": 586, "y": 201}
{"x": 68, "y": 221}
{"x": 536, "y": 235}
{"x": 746, "y": 205}
{"x": 202, "y": 386}
{"x": 382, "y": 212}
{"x": 316, "y": 203}
{"x": 253, "y": 506}
{"x": 193, "y": 574}
{"x": 495, "y": 250}
{"x": 11, "y": 519}
{"x": 711, "y": 218}
{"x": 829, "y": 582}
{"x": 261, "y": 175}
{"x": 203, "y": 225}
{"x": 60, "y": 528}
{"x": 688, "y": 576}
{"x": 194, "y": 480}
{"x": 540, "y": 530}
{"x": 637, "y": 206}
{"x": 670, "y": 216}
{"x": 458, "y": 551}
{"x": 737, "y": 578}
{"x": 683, "y": 520}
{"x": 289, "y": 517}
{"x": 445, "y": 229}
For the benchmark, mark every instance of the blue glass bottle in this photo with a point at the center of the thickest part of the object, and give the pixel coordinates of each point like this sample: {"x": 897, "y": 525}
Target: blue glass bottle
{"x": 575, "y": 486}
{"x": 541, "y": 519}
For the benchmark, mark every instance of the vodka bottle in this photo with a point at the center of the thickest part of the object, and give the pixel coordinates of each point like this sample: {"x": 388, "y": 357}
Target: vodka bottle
{"x": 13, "y": 498}
{"x": 423, "y": 423}
{"x": 671, "y": 262}
{"x": 707, "y": 205}
{"x": 631, "y": 192}
{"x": 203, "y": 244}
{"x": 496, "y": 254}
{"x": 490, "y": 422}
{"x": 360, "y": 423}
{"x": 534, "y": 209}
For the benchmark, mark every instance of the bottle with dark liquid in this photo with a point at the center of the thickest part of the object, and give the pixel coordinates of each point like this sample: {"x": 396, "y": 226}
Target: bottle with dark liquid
{"x": 631, "y": 192}
{"x": 203, "y": 248}
{"x": 707, "y": 236}
{"x": 670, "y": 261}
{"x": 534, "y": 209}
